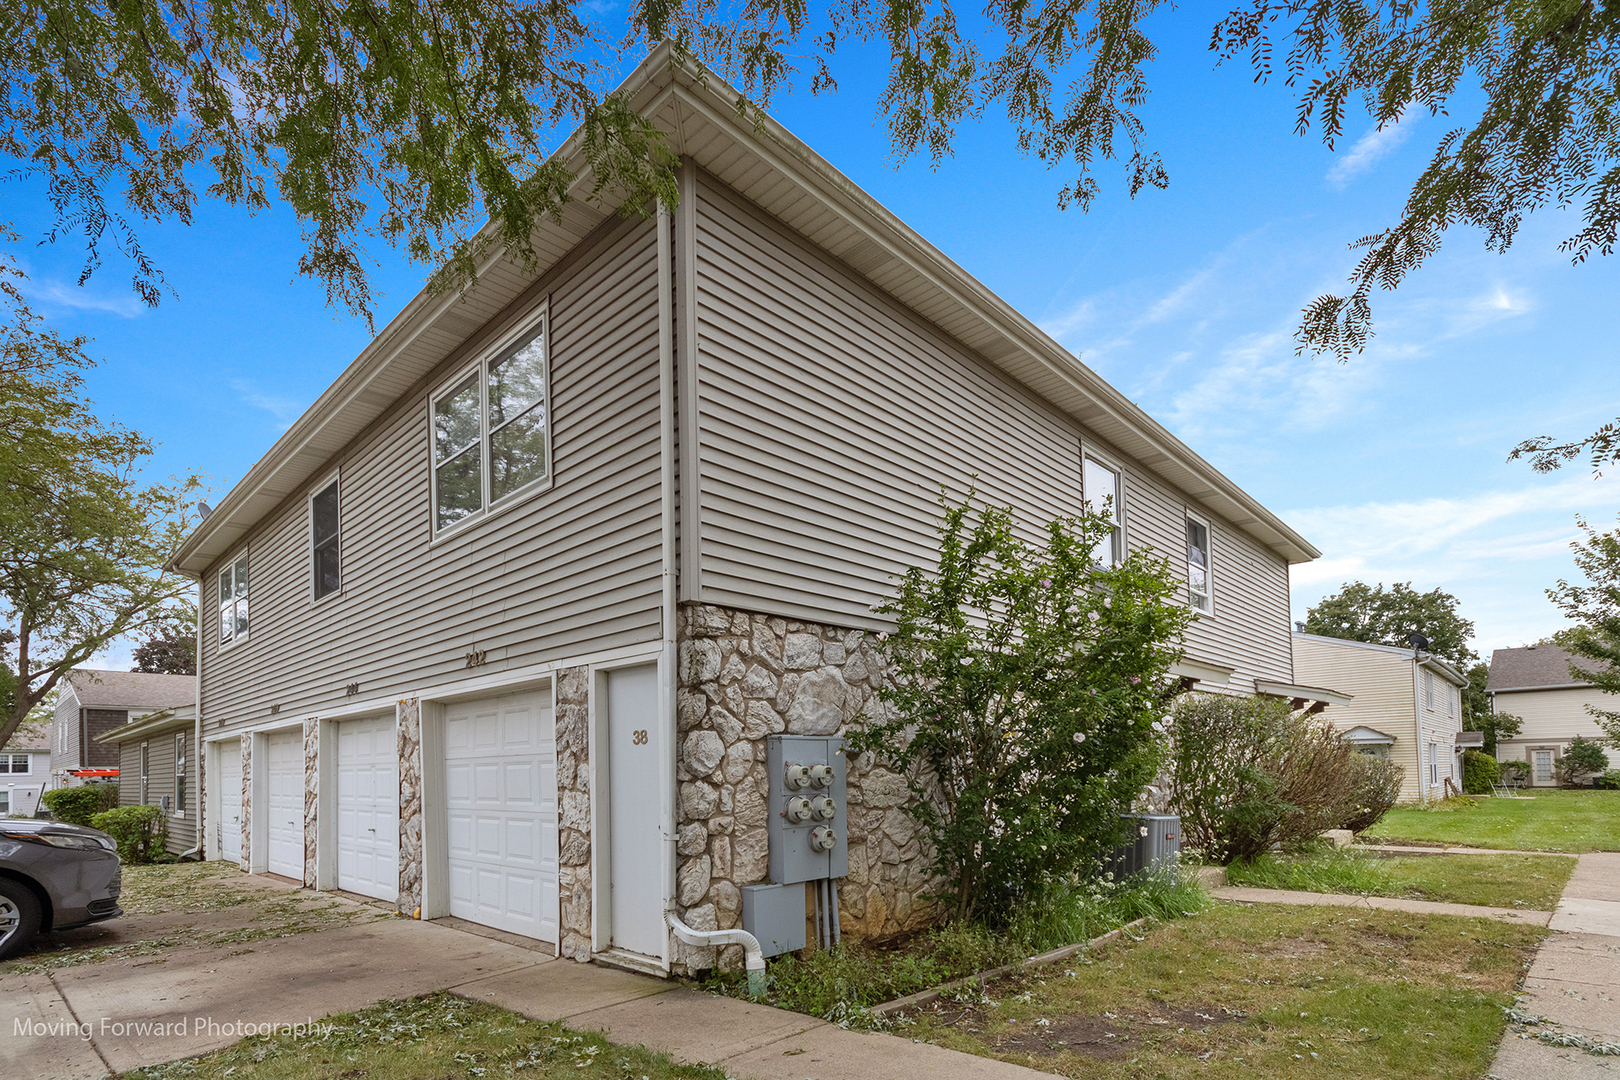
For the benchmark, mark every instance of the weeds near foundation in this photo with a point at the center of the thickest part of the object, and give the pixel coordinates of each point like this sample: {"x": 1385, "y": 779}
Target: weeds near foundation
{"x": 841, "y": 985}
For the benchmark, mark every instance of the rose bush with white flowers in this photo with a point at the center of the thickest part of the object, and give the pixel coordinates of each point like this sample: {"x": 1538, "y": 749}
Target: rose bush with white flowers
{"x": 1027, "y": 702}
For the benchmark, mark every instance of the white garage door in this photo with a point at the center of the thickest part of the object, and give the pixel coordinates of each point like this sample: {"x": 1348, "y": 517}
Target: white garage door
{"x": 368, "y": 807}
{"x": 501, "y": 788}
{"x": 229, "y": 826}
{"x": 284, "y": 817}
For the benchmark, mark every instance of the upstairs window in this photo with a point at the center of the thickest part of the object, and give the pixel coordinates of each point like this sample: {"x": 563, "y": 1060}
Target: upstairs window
{"x": 1101, "y": 494}
{"x": 233, "y": 602}
{"x": 1200, "y": 584}
{"x": 180, "y": 772}
{"x": 14, "y": 763}
{"x": 1428, "y": 689}
{"x": 323, "y": 539}
{"x": 492, "y": 432}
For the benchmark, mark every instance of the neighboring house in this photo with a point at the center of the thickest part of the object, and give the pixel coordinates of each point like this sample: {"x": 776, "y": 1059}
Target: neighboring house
{"x": 25, "y": 768}
{"x": 1405, "y": 707}
{"x": 1535, "y": 684}
{"x": 92, "y": 703}
{"x": 157, "y": 766}
{"x": 501, "y": 626}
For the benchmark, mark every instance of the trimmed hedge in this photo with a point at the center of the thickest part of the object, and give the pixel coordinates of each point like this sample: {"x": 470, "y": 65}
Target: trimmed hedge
{"x": 1480, "y": 771}
{"x": 77, "y": 805}
{"x": 141, "y": 831}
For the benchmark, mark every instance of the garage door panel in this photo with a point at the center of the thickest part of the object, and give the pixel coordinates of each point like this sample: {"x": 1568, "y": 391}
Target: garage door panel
{"x": 284, "y": 818}
{"x": 368, "y": 807}
{"x": 501, "y": 791}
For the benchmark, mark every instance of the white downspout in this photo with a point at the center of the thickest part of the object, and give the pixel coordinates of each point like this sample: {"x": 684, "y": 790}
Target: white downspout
{"x": 200, "y": 847}
{"x": 754, "y": 959}
{"x": 666, "y": 492}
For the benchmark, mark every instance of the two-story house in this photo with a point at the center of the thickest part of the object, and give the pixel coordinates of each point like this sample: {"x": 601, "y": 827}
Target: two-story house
{"x": 502, "y": 626}
{"x": 91, "y": 704}
{"x": 1403, "y": 704}
{"x": 1535, "y": 684}
{"x": 25, "y": 768}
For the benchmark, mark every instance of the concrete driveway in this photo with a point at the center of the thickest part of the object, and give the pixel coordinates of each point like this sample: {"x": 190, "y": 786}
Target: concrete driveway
{"x": 88, "y": 1021}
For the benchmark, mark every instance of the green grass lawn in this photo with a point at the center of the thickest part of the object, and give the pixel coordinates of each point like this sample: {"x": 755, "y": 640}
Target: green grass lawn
{"x": 1572, "y": 821}
{"x": 1503, "y": 881}
{"x": 1267, "y": 990}
{"x": 436, "y": 1037}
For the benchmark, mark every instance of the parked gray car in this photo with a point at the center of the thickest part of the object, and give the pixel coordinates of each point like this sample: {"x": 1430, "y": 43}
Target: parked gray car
{"x": 54, "y": 876}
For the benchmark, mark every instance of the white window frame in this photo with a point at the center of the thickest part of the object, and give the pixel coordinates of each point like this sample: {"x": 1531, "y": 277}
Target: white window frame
{"x": 236, "y": 597}
{"x": 182, "y": 743}
{"x": 11, "y": 764}
{"x": 1091, "y": 456}
{"x": 146, "y": 772}
{"x": 5, "y": 800}
{"x": 334, "y": 480}
{"x": 1209, "y": 565}
{"x": 537, "y": 323}
{"x": 1434, "y": 764}
{"x": 1451, "y": 700}
{"x": 1428, "y": 689}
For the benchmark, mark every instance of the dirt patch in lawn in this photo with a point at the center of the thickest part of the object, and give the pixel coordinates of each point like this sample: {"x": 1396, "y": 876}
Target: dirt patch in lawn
{"x": 1293, "y": 993}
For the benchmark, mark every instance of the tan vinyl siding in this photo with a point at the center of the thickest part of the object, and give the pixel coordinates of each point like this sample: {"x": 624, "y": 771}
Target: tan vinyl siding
{"x": 571, "y": 570}
{"x": 1381, "y": 685}
{"x": 830, "y": 417}
{"x": 1553, "y": 718}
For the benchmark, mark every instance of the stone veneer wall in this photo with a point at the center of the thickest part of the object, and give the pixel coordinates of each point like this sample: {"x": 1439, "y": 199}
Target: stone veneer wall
{"x": 573, "y": 722}
{"x": 743, "y": 677}
{"x": 312, "y": 783}
{"x": 408, "y": 735}
{"x": 245, "y": 861}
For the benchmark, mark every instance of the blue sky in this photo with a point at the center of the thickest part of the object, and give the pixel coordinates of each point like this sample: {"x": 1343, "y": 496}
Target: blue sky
{"x": 1186, "y": 299}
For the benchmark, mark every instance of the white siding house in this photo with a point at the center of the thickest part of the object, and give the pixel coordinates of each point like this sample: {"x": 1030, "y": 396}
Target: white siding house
{"x": 500, "y": 627}
{"x": 1405, "y": 706}
{"x": 1535, "y": 683}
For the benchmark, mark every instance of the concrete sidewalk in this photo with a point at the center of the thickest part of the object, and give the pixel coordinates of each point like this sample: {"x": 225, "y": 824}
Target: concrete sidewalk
{"x": 1574, "y": 983}
{"x": 145, "y": 1010}
{"x": 1382, "y": 903}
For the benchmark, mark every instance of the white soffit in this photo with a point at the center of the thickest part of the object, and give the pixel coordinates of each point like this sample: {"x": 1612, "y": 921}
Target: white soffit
{"x": 758, "y": 157}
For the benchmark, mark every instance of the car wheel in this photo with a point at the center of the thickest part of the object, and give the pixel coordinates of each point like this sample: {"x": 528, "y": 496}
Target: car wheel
{"x": 19, "y": 917}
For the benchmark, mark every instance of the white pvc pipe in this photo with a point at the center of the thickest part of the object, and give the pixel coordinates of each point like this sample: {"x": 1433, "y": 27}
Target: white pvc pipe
{"x": 754, "y": 959}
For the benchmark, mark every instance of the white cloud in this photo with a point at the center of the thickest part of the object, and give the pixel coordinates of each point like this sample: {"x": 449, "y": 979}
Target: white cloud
{"x": 1496, "y": 551}
{"x": 283, "y": 410}
{"x": 49, "y": 293}
{"x": 1365, "y": 153}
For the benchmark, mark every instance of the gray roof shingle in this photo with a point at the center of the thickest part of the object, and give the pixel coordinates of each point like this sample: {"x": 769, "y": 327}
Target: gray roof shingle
{"x": 131, "y": 689}
{"x": 1534, "y": 665}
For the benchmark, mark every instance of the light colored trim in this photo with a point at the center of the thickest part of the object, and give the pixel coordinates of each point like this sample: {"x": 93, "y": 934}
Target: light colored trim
{"x": 246, "y": 552}
{"x": 436, "y": 810}
{"x": 1549, "y": 686}
{"x": 1214, "y": 674}
{"x": 521, "y": 329}
{"x": 1293, "y": 690}
{"x": 601, "y": 819}
{"x": 686, "y": 355}
{"x": 1209, "y": 559}
{"x": 326, "y": 811}
{"x": 1380, "y": 738}
{"x": 1121, "y": 500}
{"x": 320, "y": 486}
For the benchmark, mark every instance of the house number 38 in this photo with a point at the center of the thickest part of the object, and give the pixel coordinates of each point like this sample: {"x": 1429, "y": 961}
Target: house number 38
{"x": 639, "y": 737}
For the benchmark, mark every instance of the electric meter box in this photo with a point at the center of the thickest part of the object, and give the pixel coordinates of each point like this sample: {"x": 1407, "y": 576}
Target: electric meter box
{"x": 808, "y": 812}
{"x": 774, "y": 914}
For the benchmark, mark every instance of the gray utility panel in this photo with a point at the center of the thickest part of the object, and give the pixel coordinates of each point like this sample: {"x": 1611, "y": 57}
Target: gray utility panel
{"x": 807, "y": 814}
{"x": 1154, "y": 840}
{"x": 775, "y": 914}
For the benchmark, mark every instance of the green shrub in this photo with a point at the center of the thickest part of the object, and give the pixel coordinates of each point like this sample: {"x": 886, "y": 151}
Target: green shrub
{"x": 1377, "y": 789}
{"x": 1480, "y": 771}
{"x": 1249, "y": 774}
{"x": 140, "y": 831}
{"x": 1609, "y": 781}
{"x": 1519, "y": 770}
{"x": 1024, "y": 709}
{"x": 1580, "y": 758}
{"x": 77, "y": 805}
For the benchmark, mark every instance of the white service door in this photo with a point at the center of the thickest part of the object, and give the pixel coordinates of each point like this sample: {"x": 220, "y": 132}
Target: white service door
{"x": 368, "y": 807}
{"x": 501, "y": 790}
{"x": 284, "y": 817}
{"x": 228, "y": 829}
{"x": 634, "y": 737}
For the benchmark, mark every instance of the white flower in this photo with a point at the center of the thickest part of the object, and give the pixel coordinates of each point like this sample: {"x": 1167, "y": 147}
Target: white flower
{"x": 1079, "y": 736}
{"x": 965, "y": 661}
